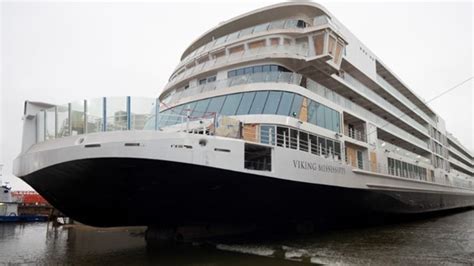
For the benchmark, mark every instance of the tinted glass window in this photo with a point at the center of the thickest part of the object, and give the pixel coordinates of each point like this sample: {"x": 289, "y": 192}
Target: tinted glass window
{"x": 336, "y": 122}
{"x": 231, "y": 103}
{"x": 267, "y": 134}
{"x": 231, "y": 73}
{"x": 266, "y": 68}
{"x": 312, "y": 112}
{"x": 285, "y": 103}
{"x": 328, "y": 118}
{"x": 259, "y": 102}
{"x": 200, "y": 108}
{"x": 261, "y": 27}
{"x": 246, "y": 31}
{"x": 188, "y": 106}
{"x": 257, "y": 69}
{"x": 272, "y": 102}
{"x": 245, "y": 104}
{"x": 320, "y": 115}
{"x": 215, "y": 105}
{"x": 273, "y": 68}
{"x": 233, "y": 36}
{"x": 277, "y": 24}
{"x": 220, "y": 40}
{"x": 296, "y": 106}
{"x": 240, "y": 72}
{"x": 248, "y": 70}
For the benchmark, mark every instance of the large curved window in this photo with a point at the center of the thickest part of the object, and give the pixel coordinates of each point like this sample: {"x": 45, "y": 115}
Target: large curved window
{"x": 261, "y": 102}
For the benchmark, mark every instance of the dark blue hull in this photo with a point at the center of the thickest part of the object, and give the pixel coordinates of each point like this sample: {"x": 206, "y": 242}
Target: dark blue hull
{"x": 125, "y": 192}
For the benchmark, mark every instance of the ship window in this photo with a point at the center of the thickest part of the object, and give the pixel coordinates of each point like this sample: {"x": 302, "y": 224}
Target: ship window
{"x": 283, "y": 137}
{"x": 314, "y": 144}
{"x": 259, "y": 102}
{"x": 272, "y": 102}
{"x": 293, "y": 139}
{"x": 328, "y": 118}
{"x": 233, "y": 36}
{"x": 296, "y": 106}
{"x": 231, "y": 103}
{"x": 266, "y": 68}
{"x": 248, "y": 70}
{"x": 246, "y": 103}
{"x": 320, "y": 114}
{"x": 220, "y": 40}
{"x": 336, "y": 121}
{"x": 303, "y": 141}
{"x": 285, "y": 104}
{"x": 257, "y": 69}
{"x": 261, "y": 27}
{"x": 202, "y": 81}
{"x": 301, "y": 24}
{"x": 211, "y": 79}
{"x": 200, "y": 108}
{"x": 215, "y": 105}
{"x": 279, "y": 24}
{"x": 245, "y": 32}
{"x": 286, "y": 41}
{"x": 258, "y": 157}
{"x": 267, "y": 134}
{"x": 240, "y": 72}
{"x": 291, "y": 23}
{"x": 312, "y": 112}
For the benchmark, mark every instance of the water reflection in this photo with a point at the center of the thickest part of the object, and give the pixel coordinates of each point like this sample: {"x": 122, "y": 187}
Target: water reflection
{"x": 442, "y": 239}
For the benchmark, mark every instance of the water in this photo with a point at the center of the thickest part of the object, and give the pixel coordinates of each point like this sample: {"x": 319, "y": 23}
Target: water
{"x": 444, "y": 239}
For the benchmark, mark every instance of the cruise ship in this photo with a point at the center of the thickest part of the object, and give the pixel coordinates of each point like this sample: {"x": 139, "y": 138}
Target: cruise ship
{"x": 278, "y": 115}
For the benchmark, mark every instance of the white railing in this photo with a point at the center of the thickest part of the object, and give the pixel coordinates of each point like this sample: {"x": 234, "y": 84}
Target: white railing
{"x": 356, "y": 134}
{"x": 262, "y": 77}
{"x": 388, "y": 87}
{"x": 362, "y": 112}
{"x": 374, "y": 97}
{"x": 284, "y": 50}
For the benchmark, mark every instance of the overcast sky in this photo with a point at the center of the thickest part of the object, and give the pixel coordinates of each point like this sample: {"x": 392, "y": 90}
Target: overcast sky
{"x": 59, "y": 52}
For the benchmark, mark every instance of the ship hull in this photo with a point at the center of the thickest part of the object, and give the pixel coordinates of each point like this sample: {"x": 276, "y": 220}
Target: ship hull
{"x": 131, "y": 191}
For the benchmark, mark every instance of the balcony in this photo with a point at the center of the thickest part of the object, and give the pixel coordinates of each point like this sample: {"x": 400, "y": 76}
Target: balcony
{"x": 95, "y": 115}
{"x": 366, "y": 114}
{"x": 263, "y": 77}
